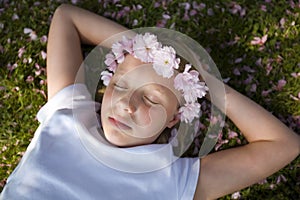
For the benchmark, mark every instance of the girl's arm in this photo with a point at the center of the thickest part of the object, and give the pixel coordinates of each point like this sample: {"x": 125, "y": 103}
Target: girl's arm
{"x": 70, "y": 27}
{"x": 271, "y": 146}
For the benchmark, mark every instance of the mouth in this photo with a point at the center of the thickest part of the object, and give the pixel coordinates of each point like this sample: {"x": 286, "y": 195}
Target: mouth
{"x": 118, "y": 124}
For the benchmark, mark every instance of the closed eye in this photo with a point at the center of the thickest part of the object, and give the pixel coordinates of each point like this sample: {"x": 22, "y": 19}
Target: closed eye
{"x": 150, "y": 100}
{"x": 120, "y": 87}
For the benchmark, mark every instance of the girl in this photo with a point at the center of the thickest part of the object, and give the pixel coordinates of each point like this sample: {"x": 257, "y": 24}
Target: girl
{"x": 67, "y": 159}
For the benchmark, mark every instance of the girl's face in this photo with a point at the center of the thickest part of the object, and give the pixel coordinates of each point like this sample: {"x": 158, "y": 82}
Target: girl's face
{"x": 138, "y": 104}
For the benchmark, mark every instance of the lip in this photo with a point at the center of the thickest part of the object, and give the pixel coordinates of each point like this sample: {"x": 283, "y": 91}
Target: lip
{"x": 118, "y": 124}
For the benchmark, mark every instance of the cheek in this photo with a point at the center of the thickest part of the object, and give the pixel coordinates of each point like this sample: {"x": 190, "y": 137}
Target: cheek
{"x": 151, "y": 121}
{"x": 107, "y": 97}
{"x": 106, "y": 105}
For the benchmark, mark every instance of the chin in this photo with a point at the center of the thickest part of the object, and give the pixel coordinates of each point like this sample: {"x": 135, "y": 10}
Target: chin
{"x": 123, "y": 143}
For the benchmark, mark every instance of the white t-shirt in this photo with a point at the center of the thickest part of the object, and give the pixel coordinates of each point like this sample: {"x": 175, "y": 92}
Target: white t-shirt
{"x": 69, "y": 159}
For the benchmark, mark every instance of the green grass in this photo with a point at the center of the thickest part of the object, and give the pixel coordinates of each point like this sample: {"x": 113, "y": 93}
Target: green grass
{"x": 226, "y": 35}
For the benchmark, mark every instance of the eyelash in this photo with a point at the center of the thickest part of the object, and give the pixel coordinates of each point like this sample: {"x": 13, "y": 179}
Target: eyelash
{"x": 150, "y": 101}
{"x": 145, "y": 98}
{"x": 119, "y": 87}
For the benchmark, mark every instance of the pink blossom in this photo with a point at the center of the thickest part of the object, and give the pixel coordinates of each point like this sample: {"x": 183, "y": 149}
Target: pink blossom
{"x": 16, "y": 89}
{"x": 263, "y": 8}
{"x": 156, "y": 4}
{"x": 281, "y": 83}
{"x": 214, "y": 120}
{"x": 282, "y": 22}
{"x": 196, "y": 149}
{"x": 144, "y": 47}
{"x": 38, "y": 72}
{"x": 165, "y": 61}
{"x": 243, "y": 12}
{"x": 269, "y": 68}
{"x": 295, "y": 98}
{"x": 189, "y": 84}
{"x": 117, "y": 50}
{"x": 272, "y": 186}
{"x": 236, "y": 195}
{"x": 248, "y": 69}
{"x": 259, "y": 41}
{"x": 232, "y": 134}
{"x": 265, "y": 93}
{"x": 127, "y": 44}
{"x": 15, "y": 17}
{"x": 135, "y": 22}
{"x": 226, "y": 80}
{"x": 193, "y": 12}
{"x": 236, "y": 72}
{"x": 238, "y": 60}
{"x": 295, "y": 75}
{"x": 280, "y": 178}
{"x": 43, "y": 82}
{"x": 31, "y": 33}
{"x": 292, "y": 4}
{"x": 110, "y": 62}
{"x": 161, "y": 23}
{"x": 210, "y": 12}
{"x": 201, "y": 6}
{"x": 74, "y": 1}
{"x": 37, "y": 66}
{"x": 166, "y": 16}
{"x": 12, "y": 67}
{"x": 196, "y": 91}
{"x": 186, "y": 5}
{"x": 189, "y": 111}
{"x": 253, "y": 87}
{"x": 41, "y": 92}
{"x": 44, "y": 55}
{"x": 258, "y": 62}
{"x": 39, "y": 69}
{"x": 29, "y": 79}
{"x": 21, "y": 52}
{"x": 106, "y": 77}
{"x": 220, "y": 143}
{"x": 43, "y": 39}
{"x": 261, "y": 182}
{"x": 248, "y": 80}
{"x": 235, "y": 8}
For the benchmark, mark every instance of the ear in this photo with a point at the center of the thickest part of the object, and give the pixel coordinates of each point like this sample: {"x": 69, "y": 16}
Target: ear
{"x": 173, "y": 121}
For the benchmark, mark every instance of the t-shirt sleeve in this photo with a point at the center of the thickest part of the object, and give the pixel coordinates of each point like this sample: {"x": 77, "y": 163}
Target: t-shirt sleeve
{"x": 71, "y": 97}
{"x": 188, "y": 173}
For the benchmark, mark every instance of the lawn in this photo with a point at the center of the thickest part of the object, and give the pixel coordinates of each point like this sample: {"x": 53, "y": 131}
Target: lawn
{"x": 256, "y": 47}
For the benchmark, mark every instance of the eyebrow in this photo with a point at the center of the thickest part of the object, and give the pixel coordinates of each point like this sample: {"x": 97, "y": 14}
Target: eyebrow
{"x": 158, "y": 89}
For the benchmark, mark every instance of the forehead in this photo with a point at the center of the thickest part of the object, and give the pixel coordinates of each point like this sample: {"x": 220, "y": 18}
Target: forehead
{"x": 138, "y": 74}
{"x": 133, "y": 70}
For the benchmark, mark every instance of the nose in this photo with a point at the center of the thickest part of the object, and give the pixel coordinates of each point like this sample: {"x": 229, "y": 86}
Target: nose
{"x": 127, "y": 104}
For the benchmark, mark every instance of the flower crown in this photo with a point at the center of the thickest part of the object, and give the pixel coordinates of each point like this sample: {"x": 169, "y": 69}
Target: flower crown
{"x": 147, "y": 49}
